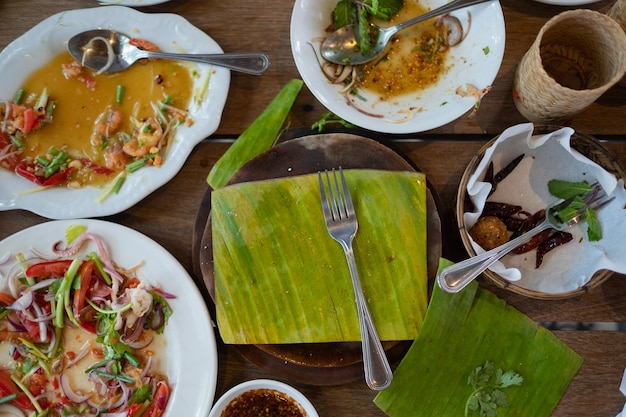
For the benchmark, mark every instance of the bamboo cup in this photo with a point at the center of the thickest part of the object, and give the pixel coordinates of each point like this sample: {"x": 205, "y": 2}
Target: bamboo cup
{"x": 577, "y": 56}
{"x": 618, "y": 13}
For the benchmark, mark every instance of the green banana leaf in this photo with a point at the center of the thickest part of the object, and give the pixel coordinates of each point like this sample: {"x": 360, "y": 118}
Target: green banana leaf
{"x": 281, "y": 278}
{"x": 462, "y": 332}
{"x": 258, "y": 137}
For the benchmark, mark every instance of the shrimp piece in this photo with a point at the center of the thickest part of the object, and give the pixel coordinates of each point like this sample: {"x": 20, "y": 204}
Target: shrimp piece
{"x": 144, "y": 44}
{"x": 145, "y": 139}
{"x": 106, "y": 124}
{"x": 114, "y": 158}
{"x": 75, "y": 71}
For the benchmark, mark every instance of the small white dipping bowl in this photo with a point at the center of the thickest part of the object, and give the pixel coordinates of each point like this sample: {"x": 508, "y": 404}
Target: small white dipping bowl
{"x": 261, "y": 384}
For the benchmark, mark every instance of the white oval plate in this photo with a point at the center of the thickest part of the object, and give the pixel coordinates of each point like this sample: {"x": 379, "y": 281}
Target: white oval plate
{"x": 567, "y": 2}
{"x": 48, "y": 39}
{"x": 439, "y": 104}
{"x": 191, "y": 353}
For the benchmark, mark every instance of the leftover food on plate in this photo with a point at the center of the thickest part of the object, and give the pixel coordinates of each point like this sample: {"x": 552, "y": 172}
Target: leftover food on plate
{"x": 82, "y": 334}
{"x": 71, "y": 126}
{"x": 416, "y": 59}
{"x": 432, "y": 73}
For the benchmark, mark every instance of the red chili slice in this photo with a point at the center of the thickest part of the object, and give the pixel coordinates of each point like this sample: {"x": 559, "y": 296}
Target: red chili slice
{"x": 8, "y": 387}
{"x": 22, "y": 169}
{"x": 54, "y": 269}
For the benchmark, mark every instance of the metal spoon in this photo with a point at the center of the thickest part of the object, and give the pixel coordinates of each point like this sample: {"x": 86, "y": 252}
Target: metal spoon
{"x": 94, "y": 54}
{"x": 341, "y": 46}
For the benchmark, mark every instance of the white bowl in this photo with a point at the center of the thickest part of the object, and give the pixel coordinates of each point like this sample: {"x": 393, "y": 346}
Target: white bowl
{"x": 474, "y": 61}
{"x": 260, "y": 384}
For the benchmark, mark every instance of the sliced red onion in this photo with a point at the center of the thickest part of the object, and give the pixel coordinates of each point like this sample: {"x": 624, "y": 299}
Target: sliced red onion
{"x": 74, "y": 397}
{"x": 142, "y": 342}
{"x": 146, "y": 369}
{"x": 23, "y": 302}
{"x": 15, "y": 323}
{"x": 453, "y": 29}
{"x": 165, "y": 294}
{"x": 82, "y": 352}
{"x": 42, "y": 284}
{"x": 10, "y": 410}
{"x": 123, "y": 398}
{"x": 43, "y": 326}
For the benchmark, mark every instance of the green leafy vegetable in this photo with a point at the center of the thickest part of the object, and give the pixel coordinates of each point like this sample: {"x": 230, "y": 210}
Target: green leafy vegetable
{"x": 594, "y": 231}
{"x": 327, "y": 118}
{"x": 567, "y": 189}
{"x": 576, "y": 190}
{"x": 488, "y": 383}
{"x": 360, "y": 13}
{"x": 344, "y": 14}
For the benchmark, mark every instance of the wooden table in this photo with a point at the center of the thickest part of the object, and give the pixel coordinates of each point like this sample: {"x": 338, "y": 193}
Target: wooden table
{"x": 239, "y": 25}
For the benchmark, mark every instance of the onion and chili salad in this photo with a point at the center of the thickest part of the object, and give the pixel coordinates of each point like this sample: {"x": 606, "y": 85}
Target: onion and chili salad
{"x": 118, "y": 313}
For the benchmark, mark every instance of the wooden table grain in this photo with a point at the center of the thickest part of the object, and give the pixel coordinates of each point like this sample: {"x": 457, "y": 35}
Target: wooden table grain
{"x": 168, "y": 215}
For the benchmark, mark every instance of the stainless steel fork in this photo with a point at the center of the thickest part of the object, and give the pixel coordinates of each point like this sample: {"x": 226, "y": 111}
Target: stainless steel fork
{"x": 342, "y": 225}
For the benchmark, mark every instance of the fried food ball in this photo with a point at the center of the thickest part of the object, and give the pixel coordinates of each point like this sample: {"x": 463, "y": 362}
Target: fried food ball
{"x": 489, "y": 232}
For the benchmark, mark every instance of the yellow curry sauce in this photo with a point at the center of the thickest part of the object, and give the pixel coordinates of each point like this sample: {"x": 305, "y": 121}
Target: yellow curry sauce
{"x": 415, "y": 60}
{"x": 78, "y": 107}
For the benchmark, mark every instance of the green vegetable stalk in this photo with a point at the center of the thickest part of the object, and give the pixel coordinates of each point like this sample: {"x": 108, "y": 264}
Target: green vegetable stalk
{"x": 257, "y": 138}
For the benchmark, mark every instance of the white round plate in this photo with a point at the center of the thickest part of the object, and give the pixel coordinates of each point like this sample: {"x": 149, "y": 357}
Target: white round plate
{"x": 136, "y": 3}
{"x": 567, "y": 2}
{"x": 436, "y": 105}
{"x": 191, "y": 353}
{"x": 48, "y": 39}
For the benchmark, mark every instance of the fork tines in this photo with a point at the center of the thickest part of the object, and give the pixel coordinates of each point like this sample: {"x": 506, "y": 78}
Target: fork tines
{"x": 336, "y": 200}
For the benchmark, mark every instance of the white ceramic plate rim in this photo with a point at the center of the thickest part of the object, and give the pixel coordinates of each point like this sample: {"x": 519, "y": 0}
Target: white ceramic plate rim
{"x": 191, "y": 353}
{"x": 48, "y": 39}
{"x": 567, "y": 2}
{"x": 232, "y": 393}
{"x": 439, "y": 104}
{"x": 137, "y": 3}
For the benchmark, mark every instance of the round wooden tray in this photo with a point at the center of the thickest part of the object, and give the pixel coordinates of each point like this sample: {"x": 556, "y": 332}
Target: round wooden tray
{"x": 311, "y": 363}
{"x": 585, "y": 144}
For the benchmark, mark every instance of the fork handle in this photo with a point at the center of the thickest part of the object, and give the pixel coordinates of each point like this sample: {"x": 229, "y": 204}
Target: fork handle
{"x": 456, "y": 277}
{"x": 378, "y": 373}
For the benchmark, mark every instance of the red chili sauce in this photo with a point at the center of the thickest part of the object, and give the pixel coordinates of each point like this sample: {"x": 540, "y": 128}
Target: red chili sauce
{"x": 263, "y": 403}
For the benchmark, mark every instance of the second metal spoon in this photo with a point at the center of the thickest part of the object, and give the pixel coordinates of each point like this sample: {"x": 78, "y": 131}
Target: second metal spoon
{"x": 342, "y": 46}
{"x": 92, "y": 48}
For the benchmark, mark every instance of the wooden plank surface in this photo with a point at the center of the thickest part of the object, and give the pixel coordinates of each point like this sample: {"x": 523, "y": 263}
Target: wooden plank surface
{"x": 168, "y": 215}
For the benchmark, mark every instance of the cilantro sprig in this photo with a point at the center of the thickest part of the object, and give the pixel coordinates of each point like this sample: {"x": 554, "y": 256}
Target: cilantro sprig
{"x": 488, "y": 383}
{"x": 327, "y": 118}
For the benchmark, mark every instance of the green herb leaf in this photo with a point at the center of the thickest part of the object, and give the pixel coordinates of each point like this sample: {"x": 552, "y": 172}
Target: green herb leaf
{"x": 344, "y": 14}
{"x": 327, "y": 118}
{"x": 488, "y": 383}
{"x": 567, "y": 189}
{"x": 385, "y": 9}
{"x": 594, "y": 231}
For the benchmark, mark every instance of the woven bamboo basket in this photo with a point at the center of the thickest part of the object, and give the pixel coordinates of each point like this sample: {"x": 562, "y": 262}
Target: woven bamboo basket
{"x": 587, "y": 146}
{"x": 577, "y": 56}
{"x": 618, "y": 13}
